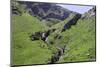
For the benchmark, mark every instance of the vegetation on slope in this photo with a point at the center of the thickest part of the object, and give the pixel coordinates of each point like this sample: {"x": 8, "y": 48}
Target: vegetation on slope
{"x": 79, "y": 39}
{"x": 24, "y": 51}
{"x": 81, "y": 45}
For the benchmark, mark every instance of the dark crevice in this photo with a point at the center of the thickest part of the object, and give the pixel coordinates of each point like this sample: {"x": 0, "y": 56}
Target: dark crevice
{"x": 57, "y": 55}
{"x": 73, "y": 21}
{"x": 44, "y": 35}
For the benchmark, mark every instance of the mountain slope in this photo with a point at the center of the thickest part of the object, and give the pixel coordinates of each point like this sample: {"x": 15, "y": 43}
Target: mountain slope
{"x": 49, "y": 13}
{"x": 24, "y": 51}
{"x": 46, "y": 10}
{"x": 81, "y": 43}
{"x": 75, "y": 43}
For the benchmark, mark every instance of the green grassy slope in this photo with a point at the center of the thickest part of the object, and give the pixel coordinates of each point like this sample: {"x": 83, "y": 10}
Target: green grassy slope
{"x": 79, "y": 40}
{"x": 81, "y": 43}
{"x": 24, "y": 51}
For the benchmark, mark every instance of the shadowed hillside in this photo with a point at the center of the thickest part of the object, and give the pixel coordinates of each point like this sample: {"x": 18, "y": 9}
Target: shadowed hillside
{"x": 46, "y": 12}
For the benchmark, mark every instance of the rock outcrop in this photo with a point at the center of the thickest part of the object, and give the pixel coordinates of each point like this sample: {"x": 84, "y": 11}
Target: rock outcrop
{"x": 41, "y": 35}
{"x": 57, "y": 55}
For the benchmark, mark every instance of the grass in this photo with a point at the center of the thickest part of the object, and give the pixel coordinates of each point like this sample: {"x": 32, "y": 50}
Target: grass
{"x": 24, "y": 51}
{"x": 79, "y": 40}
{"x": 81, "y": 45}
